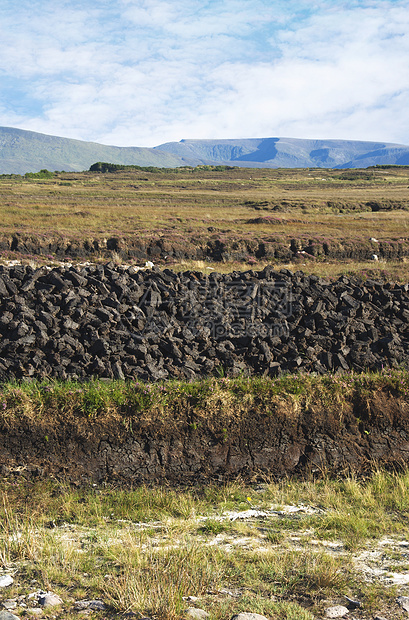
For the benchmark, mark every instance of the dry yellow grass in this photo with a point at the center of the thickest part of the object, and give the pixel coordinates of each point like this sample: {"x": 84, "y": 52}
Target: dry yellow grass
{"x": 300, "y": 201}
{"x": 238, "y": 207}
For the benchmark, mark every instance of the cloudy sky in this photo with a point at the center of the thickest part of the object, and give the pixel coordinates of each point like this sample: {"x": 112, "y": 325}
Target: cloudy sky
{"x": 145, "y": 72}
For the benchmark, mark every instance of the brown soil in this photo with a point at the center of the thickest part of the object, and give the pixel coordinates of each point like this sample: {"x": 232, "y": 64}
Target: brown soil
{"x": 204, "y": 246}
{"x": 219, "y": 442}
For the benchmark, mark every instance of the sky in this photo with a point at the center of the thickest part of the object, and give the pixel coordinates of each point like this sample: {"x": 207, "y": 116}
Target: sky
{"x": 146, "y": 72}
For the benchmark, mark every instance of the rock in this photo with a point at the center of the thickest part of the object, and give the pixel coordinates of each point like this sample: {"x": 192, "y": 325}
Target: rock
{"x": 6, "y": 580}
{"x": 95, "y": 605}
{"x": 9, "y": 604}
{"x": 196, "y": 614}
{"x": 49, "y": 599}
{"x": 403, "y": 601}
{"x": 248, "y": 616}
{"x": 7, "y": 615}
{"x": 338, "y": 611}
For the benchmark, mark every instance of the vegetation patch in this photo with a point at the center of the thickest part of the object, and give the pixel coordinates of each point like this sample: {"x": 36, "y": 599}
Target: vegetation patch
{"x": 47, "y": 401}
{"x": 157, "y": 552}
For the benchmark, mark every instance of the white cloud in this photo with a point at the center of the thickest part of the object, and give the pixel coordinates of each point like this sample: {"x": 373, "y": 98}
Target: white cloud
{"x": 341, "y": 75}
{"x": 188, "y": 20}
{"x": 142, "y": 72}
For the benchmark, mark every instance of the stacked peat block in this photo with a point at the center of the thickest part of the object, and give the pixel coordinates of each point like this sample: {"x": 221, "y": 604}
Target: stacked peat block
{"x": 121, "y": 322}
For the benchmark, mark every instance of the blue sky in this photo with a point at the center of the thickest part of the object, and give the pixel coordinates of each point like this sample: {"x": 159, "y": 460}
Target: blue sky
{"x": 145, "y": 72}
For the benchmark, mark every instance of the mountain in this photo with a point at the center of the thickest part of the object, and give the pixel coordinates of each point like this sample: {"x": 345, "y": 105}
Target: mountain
{"x": 290, "y": 152}
{"x": 27, "y": 151}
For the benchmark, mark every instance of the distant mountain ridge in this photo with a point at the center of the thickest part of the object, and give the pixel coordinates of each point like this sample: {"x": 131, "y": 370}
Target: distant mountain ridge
{"x": 24, "y": 151}
{"x": 291, "y": 152}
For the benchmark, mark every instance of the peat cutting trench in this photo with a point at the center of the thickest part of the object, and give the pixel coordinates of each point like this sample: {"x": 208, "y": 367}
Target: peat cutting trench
{"x": 116, "y": 322}
{"x": 211, "y": 245}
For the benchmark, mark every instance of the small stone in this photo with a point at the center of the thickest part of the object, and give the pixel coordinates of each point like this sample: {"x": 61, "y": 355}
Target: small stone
{"x": 49, "y": 600}
{"x": 352, "y": 604}
{"x": 338, "y": 611}
{"x": 196, "y": 614}
{"x": 6, "y": 580}
{"x": 403, "y": 601}
{"x": 379, "y": 618}
{"x": 7, "y": 615}
{"x": 248, "y": 616}
{"x": 10, "y": 603}
{"x": 95, "y": 605}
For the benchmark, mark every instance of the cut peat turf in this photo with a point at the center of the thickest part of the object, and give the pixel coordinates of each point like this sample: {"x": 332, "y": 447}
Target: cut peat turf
{"x": 119, "y": 322}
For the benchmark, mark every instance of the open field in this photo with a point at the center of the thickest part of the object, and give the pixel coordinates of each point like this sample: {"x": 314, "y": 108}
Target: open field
{"x": 334, "y": 202}
{"x": 174, "y": 216}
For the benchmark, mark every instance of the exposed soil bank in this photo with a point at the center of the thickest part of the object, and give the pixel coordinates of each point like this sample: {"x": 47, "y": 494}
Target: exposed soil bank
{"x": 117, "y": 322}
{"x": 220, "y": 247}
{"x": 219, "y": 441}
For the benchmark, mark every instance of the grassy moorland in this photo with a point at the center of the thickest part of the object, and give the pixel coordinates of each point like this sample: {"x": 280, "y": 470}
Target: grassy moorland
{"x": 287, "y": 550}
{"x": 310, "y": 201}
{"x": 337, "y": 206}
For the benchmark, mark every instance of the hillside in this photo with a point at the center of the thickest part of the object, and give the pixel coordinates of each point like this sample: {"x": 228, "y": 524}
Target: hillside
{"x": 26, "y": 151}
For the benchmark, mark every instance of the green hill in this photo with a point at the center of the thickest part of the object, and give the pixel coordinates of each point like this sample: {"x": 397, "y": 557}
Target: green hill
{"x": 27, "y": 151}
